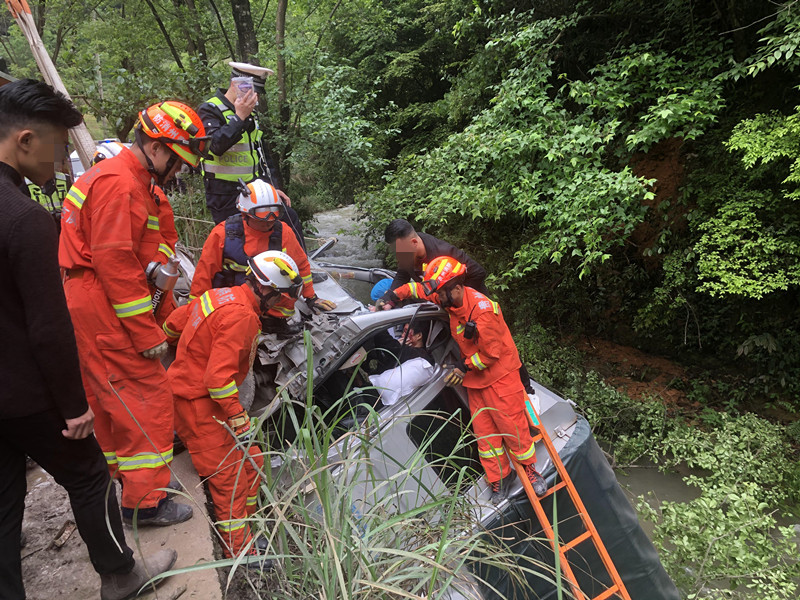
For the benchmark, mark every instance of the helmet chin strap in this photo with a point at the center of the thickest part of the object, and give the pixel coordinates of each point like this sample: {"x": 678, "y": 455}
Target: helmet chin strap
{"x": 160, "y": 177}
{"x": 447, "y": 301}
{"x": 263, "y": 298}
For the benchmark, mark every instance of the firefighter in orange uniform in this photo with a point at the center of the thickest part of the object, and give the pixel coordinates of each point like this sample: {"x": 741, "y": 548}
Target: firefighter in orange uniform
{"x": 490, "y": 372}
{"x": 109, "y": 235}
{"x": 256, "y": 229}
{"x": 217, "y": 336}
{"x": 166, "y": 225}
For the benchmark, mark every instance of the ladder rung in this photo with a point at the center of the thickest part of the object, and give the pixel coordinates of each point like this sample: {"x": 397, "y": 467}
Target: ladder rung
{"x": 553, "y": 490}
{"x": 581, "y": 538}
{"x": 608, "y": 593}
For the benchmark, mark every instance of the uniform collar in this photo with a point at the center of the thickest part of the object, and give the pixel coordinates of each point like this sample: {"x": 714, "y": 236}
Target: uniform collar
{"x": 129, "y": 159}
{"x": 10, "y": 173}
{"x": 251, "y": 296}
{"x": 225, "y": 101}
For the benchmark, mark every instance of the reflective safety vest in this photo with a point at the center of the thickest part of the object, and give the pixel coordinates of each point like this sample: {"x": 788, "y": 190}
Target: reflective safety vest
{"x": 234, "y": 258}
{"x": 242, "y": 159}
{"x": 52, "y": 195}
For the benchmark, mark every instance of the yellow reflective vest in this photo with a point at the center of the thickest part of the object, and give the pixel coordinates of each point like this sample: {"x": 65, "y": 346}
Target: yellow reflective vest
{"x": 54, "y": 200}
{"x": 242, "y": 159}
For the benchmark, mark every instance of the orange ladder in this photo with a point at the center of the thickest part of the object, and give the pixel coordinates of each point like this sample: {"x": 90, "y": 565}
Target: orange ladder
{"x": 618, "y": 587}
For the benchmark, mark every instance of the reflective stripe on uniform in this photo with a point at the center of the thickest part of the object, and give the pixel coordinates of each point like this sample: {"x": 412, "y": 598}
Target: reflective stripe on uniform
{"x": 414, "y": 289}
{"x": 205, "y": 304}
{"x": 231, "y": 265}
{"x": 111, "y": 458}
{"x": 529, "y": 453}
{"x": 231, "y": 526}
{"x": 225, "y": 391}
{"x": 476, "y": 361}
{"x": 227, "y": 169}
{"x": 134, "y": 307}
{"x": 144, "y": 460}
{"x": 491, "y": 452}
{"x": 286, "y": 312}
{"x": 169, "y": 332}
{"x": 152, "y": 222}
{"x": 307, "y": 279}
{"x": 76, "y": 196}
{"x": 459, "y": 329}
{"x": 166, "y": 250}
{"x": 251, "y": 500}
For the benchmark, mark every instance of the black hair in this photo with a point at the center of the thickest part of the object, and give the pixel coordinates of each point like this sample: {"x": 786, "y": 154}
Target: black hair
{"x": 399, "y": 228}
{"x": 27, "y": 102}
{"x": 421, "y": 329}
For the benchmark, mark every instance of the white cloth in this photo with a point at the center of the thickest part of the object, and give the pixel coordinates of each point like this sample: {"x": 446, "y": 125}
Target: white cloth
{"x": 402, "y": 380}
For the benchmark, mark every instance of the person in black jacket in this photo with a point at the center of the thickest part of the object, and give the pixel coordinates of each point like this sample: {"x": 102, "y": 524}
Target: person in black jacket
{"x": 43, "y": 408}
{"x": 415, "y": 250}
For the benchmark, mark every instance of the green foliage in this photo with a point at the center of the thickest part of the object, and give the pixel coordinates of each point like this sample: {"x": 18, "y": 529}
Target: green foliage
{"x": 749, "y": 247}
{"x": 335, "y": 147}
{"x": 651, "y": 91}
{"x": 730, "y": 533}
{"x": 778, "y": 45}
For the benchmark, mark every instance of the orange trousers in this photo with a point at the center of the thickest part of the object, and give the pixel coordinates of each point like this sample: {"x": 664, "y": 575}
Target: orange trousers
{"x": 498, "y": 420}
{"x": 232, "y": 480}
{"x": 129, "y": 395}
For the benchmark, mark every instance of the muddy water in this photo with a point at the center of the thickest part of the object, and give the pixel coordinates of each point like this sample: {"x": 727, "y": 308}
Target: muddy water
{"x": 342, "y": 223}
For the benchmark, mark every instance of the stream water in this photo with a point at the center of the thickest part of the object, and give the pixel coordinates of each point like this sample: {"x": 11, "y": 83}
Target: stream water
{"x": 350, "y": 250}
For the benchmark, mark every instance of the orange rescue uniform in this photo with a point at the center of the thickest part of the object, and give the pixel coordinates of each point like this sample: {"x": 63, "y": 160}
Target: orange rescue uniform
{"x": 280, "y": 238}
{"x": 217, "y": 336}
{"x": 495, "y": 391}
{"x": 109, "y": 233}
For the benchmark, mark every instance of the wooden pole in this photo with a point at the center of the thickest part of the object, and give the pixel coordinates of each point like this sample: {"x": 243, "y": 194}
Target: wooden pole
{"x": 81, "y": 137}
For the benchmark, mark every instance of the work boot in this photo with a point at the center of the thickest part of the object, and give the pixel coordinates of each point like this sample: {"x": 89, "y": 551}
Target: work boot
{"x": 125, "y": 586}
{"x": 538, "y": 483}
{"x": 259, "y": 548}
{"x": 501, "y": 488}
{"x": 175, "y": 485}
{"x": 168, "y": 513}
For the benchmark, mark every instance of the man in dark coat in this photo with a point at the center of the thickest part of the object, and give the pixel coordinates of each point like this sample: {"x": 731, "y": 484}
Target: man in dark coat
{"x": 43, "y": 408}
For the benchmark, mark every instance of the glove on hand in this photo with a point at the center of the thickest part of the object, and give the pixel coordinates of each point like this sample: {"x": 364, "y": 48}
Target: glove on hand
{"x": 454, "y": 377}
{"x": 318, "y": 304}
{"x": 156, "y": 352}
{"x": 240, "y": 423}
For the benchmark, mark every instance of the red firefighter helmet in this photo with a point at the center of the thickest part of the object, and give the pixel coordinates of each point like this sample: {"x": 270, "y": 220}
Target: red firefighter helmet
{"x": 178, "y": 126}
{"x": 441, "y": 271}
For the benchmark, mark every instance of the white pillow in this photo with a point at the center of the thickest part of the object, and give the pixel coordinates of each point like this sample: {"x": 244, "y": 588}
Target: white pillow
{"x": 402, "y": 380}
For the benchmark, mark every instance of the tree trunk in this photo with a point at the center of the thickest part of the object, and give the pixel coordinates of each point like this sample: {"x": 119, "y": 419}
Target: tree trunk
{"x": 164, "y": 32}
{"x": 284, "y": 113}
{"x": 41, "y": 16}
{"x": 247, "y": 44}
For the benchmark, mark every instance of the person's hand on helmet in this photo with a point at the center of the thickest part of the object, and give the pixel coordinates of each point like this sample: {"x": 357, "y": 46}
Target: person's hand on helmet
{"x": 284, "y": 198}
{"x": 241, "y": 426}
{"x": 318, "y": 304}
{"x": 156, "y": 352}
{"x": 456, "y": 376}
{"x": 244, "y": 105}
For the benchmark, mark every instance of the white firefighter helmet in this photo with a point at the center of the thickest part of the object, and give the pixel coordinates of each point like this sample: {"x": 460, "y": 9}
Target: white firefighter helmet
{"x": 260, "y": 200}
{"x": 277, "y": 270}
{"x": 107, "y": 149}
